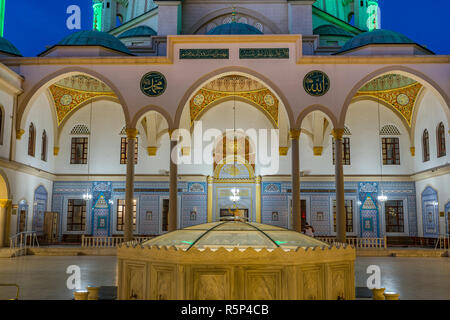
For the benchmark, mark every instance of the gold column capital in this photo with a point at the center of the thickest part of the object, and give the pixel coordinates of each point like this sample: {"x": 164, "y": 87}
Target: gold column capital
{"x": 317, "y": 151}
{"x": 152, "y": 151}
{"x": 283, "y": 151}
{"x": 338, "y": 133}
{"x": 131, "y": 133}
{"x": 185, "y": 151}
{"x": 19, "y": 133}
{"x": 171, "y": 133}
{"x": 55, "y": 151}
{"x": 413, "y": 151}
{"x": 294, "y": 134}
{"x": 210, "y": 179}
{"x": 5, "y": 203}
{"x": 258, "y": 179}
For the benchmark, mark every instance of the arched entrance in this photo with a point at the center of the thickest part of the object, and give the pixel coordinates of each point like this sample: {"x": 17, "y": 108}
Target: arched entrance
{"x": 5, "y": 209}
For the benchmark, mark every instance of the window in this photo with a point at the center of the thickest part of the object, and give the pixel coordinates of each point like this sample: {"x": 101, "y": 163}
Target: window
{"x": 165, "y": 215}
{"x": 345, "y": 151}
{"x": 393, "y": 211}
{"x": 44, "y": 146}
{"x": 79, "y": 151}
{"x": 441, "y": 140}
{"x": 31, "y": 139}
{"x": 391, "y": 151}
{"x": 426, "y": 146}
{"x": 76, "y": 215}
{"x": 123, "y": 150}
{"x": 2, "y": 117}
{"x": 121, "y": 214}
{"x": 348, "y": 215}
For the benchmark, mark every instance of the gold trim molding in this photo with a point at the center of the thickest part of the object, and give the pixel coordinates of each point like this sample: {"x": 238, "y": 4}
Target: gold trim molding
{"x": 19, "y": 133}
{"x": 283, "y": 151}
{"x": 317, "y": 151}
{"x": 152, "y": 151}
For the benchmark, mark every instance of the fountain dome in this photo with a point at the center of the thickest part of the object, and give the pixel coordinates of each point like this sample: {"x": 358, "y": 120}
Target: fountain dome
{"x": 235, "y": 260}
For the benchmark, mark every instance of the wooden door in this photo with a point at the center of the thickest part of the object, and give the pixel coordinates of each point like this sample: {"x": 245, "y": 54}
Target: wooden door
{"x": 22, "y": 220}
{"x": 51, "y": 223}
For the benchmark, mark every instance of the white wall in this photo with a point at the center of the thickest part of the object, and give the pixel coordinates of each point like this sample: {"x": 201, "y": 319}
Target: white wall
{"x": 22, "y": 187}
{"x": 41, "y": 115}
{"x": 6, "y": 102}
{"x": 430, "y": 114}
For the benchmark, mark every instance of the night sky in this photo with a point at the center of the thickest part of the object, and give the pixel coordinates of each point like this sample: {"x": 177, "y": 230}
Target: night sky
{"x": 32, "y": 25}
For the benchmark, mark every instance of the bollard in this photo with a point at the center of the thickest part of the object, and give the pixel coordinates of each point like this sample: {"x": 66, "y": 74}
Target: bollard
{"x": 92, "y": 293}
{"x": 391, "y": 296}
{"x": 377, "y": 293}
{"x": 80, "y": 295}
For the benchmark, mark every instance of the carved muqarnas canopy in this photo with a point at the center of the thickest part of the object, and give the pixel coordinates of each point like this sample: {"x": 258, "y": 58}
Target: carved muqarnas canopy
{"x": 235, "y": 86}
{"x": 71, "y": 92}
{"x": 397, "y": 91}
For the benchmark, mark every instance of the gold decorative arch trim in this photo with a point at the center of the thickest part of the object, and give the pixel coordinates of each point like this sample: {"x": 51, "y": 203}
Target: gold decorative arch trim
{"x": 67, "y": 99}
{"x": 402, "y": 100}
{"x": 263, "y": 98}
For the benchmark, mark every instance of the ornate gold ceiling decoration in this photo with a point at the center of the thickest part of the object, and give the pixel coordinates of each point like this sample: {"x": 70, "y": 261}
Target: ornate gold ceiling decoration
{"x": 235, "y": 86}
{"x": 400, "y": 99}
{"x": 83, "y": 83}
{"x": 68, "y": 99}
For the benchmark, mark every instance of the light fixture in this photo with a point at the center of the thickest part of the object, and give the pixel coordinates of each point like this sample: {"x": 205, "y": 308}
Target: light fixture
{"x": 87, "y": 196}
{"x": 382, "y": 198}
{"x": 235, "y": 195}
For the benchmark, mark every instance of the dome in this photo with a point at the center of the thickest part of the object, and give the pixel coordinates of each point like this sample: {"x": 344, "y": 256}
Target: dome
{"x": 141, "y": 31}
{"x": 331, "y": 30}
{"x": 376, "y": 37}
{"x": 234, "y": 234}
{"x": 7, "y": 47}
{"x": 234, "y": 28}
{"x": 94, "y": 38}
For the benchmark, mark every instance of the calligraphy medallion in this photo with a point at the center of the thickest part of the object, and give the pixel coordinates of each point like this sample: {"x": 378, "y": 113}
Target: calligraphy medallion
{"x": 316, "y": 83}
{"x": 153, "y": 84}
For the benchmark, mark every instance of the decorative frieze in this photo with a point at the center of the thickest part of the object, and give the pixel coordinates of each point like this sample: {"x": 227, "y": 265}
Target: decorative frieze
{"x": 264, "y": 53}
{"x": 204, "y": 54}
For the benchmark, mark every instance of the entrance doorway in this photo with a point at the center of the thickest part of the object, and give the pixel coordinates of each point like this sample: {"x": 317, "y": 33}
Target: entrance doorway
{"x": 51, "y": 223}
{"x": 22, "y": 220}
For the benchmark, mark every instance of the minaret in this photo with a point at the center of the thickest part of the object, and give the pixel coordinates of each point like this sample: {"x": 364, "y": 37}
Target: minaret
{"x": 97, "y": 7}
{"x": 367, "y": 14}
{"x": 2, "y": 16}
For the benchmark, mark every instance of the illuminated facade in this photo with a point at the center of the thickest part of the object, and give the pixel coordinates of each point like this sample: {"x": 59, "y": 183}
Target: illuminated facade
{"x": 349, "y": 103}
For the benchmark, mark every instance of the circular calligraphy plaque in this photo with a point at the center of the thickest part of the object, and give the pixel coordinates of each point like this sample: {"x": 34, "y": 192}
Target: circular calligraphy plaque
{"x": 153, "y": 84}
{"x": 316, "y": 83}
{"x": 402, "y": 99}
{"x": 66, "y": 100}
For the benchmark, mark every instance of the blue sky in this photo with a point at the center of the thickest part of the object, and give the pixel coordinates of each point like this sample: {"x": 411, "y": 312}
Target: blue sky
{"x": 32, "y": 25}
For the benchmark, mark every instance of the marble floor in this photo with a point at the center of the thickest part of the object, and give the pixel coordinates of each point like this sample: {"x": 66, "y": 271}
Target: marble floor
{"x": 45, "y": 277}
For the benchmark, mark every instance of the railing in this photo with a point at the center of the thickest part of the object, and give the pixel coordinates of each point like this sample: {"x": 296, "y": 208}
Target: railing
{"x": 22, "y": 241}
{"x": 12, "y": 285}
{"x": 379, "y": 243}
{"x": 107, "y": 242}
{"x": 442, "y": 243}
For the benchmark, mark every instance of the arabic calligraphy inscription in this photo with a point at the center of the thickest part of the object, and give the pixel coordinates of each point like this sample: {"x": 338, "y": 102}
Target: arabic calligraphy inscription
{"x": 316, "y": 83}
{"x": 153, "y": 84}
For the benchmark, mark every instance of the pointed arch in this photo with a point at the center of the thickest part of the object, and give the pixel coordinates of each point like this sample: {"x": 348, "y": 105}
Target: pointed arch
{"x": 409, "y": 72}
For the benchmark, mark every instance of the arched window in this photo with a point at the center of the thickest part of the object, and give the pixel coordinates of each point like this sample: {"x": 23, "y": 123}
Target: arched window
{"x": 44, "y": 146}
{"x": 426, "y": 145}
{"x": 2, "y": 117}
{"x": 441, "y": 140}
{"x": 31, "y": 139}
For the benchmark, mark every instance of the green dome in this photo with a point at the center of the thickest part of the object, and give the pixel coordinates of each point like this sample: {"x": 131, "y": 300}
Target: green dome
{"x": 331, "y": 30}
{"x": 7, "y": 47}
{"x": 376, "y": 37}
{"x": 234, "y": 28}
{"x": 141, "y": 31}
{"x": 94, "y": 38}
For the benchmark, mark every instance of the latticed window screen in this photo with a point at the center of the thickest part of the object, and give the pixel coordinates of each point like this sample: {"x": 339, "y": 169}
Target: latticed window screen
{"x": 76, "y": 215}
{"x": 121, "y": 214}
{"x": 31, "y": 139}
{"x": 79, "y": 150}
{"x": 426, "y": 145}
{"x": 389, "y": 130}
{"x": 80, "y": 129}
{"x": 441, "y": 140}
{"x": 123, "y": 150}
{"x": 345, "y": 151}
{"x": 391, "y": 151}
{"x": 348, "y": 215}
{"x": 393, "y": 210}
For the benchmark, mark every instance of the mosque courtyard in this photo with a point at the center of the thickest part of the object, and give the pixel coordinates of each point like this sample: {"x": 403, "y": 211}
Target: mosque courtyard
{"x": 45, "y": 277}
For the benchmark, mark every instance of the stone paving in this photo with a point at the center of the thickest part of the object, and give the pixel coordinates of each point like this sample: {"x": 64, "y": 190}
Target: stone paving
{"x": 45, "y": 277}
